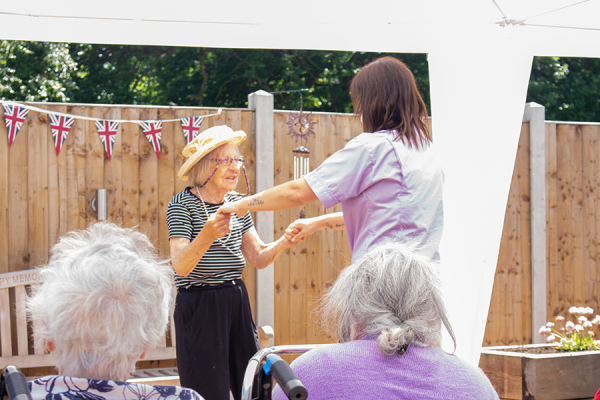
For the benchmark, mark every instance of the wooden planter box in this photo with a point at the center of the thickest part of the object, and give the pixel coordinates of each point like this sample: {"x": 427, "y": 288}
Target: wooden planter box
{"x": 558, "y": 376}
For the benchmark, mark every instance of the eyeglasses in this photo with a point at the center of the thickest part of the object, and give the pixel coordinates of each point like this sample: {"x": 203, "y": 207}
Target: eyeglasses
{"x": 226, "y": 161}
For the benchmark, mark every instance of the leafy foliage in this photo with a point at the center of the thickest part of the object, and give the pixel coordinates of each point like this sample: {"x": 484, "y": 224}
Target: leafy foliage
{"x": 188, "y": 76}
{"x": 568, "y": 87}
{"x": 36, "y": 71}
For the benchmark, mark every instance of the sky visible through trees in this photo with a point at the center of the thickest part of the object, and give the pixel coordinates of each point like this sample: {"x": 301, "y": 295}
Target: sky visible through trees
{"x": 569, "y": 88}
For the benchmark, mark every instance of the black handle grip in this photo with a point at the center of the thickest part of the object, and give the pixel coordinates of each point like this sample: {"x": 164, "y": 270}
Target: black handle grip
{"x": 16, "y": 384}
{"x": 287, "y": 378}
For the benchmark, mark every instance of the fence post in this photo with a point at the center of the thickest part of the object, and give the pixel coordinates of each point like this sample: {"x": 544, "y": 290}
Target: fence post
{"x": 536, "y": 115}
{"x": 262, "y": 102}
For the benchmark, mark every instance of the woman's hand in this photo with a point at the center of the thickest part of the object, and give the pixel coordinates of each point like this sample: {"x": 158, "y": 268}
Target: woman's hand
{"x": 217, "y": 225}
{"x": 301, "y": 228}
{"x": 235, "y": 207}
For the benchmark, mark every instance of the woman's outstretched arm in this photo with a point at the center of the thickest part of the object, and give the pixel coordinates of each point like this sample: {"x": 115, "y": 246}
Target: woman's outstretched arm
{"x": 288, "y": 195}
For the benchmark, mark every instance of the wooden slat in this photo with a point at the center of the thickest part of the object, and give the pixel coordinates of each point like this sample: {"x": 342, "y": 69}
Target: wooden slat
{"x": 18, "y": 251}
{"x": 94, "y": 164}
{"x": 57, "y": 184}
{"x": 4, "y": 189}
{"x": 594, "y": 277}
{"x": 75, "y": 149}
{"x": 37, "y": 163}
{"x": 590, "y": 185}
{"x": 148, "y": 181}
{"x": 5, "y": 329}
{"x": 281, "y": 220}
{"x": 166, "y": 177}
{"x": 113, "y": 172}
{"x": 522, "y": 333}
{"x": 22, "y": 342}
{"x": 130, "y": 155}
{"x": 565, "y": 280}
{"x": 576, "y": 164}
{"x": 552, "y": 242}
{"x": 172, "y": 331}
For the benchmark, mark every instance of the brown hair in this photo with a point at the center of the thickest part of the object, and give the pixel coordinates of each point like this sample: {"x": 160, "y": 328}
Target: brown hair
{"x": 384, "y": 93}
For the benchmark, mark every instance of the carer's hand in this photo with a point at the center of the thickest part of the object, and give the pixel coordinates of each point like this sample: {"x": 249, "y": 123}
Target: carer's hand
{"x": 234, "y": 207}
{"x": 301, "y": 228}
{"x": 217, "y": 225}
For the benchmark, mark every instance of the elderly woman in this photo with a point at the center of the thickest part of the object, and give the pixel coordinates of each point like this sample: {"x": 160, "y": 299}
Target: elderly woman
{"x": 216, "y": 335}
{"x": 387, "y": 178}
{"x": 104, "y": 302}
{"x": 388, "y": 310}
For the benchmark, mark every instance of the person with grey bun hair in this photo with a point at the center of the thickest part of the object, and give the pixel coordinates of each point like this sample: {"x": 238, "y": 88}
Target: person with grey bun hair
{"x": 104, "y": 301}
{"x": 388, "y": 310}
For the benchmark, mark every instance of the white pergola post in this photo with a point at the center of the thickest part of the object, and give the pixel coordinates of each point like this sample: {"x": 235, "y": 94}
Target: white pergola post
{"x": 536, "y": 115}
{"x": 263, "y": 103}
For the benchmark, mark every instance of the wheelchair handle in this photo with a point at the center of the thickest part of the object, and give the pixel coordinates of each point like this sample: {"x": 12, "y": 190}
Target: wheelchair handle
{"x": 286, "y": 377}
{"x": 16, "y": 384}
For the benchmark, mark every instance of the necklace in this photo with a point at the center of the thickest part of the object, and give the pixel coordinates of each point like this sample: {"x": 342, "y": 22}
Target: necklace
{"x": 207, "y": 215}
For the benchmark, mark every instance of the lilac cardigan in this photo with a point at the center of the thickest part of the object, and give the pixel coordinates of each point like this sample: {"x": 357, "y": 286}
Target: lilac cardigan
{"x": 358, "y": 370}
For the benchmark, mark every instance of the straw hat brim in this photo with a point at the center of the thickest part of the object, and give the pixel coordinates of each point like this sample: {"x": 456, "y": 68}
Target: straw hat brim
{"x": 236, "y": 137}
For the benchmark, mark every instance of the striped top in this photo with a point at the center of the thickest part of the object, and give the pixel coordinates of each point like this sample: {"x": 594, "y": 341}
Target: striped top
{"x": 224, "y": 260}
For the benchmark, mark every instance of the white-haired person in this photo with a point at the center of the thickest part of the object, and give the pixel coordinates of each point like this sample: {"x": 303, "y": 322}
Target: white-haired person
{"x": 388, "y": 310}
{"x": 104, "y": 301}
{"x": 216, "y": 335}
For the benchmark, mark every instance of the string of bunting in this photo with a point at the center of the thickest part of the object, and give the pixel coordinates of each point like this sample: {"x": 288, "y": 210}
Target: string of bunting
{"x": 61, "y": 123}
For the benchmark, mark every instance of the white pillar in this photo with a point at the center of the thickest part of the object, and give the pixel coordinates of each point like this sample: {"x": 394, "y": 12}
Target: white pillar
{"x": 262, "y": 102}
{"x": 536, "y": 115}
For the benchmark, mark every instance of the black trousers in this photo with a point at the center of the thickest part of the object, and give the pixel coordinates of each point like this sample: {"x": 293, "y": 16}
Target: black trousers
{"x": 216, "y": 337}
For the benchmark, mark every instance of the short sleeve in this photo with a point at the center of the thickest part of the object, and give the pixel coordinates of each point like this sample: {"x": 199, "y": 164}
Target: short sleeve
{"x": 346, "y": 174}
{"x": 179, "y": 221}
{"x": 247, "y": 223}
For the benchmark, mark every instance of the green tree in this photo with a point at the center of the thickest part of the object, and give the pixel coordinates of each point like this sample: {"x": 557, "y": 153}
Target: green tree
{"x": 36, "y": 71}
{"x": 568, "y": 87}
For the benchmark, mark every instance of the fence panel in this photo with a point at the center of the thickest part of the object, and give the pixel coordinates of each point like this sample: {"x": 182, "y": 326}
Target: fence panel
{"x": 304, "y": 271}
{"x": 43, "y": 196}
{"x": 572, "y": 234}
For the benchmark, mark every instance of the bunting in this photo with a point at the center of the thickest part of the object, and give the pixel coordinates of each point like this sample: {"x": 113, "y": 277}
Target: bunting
{"x": 14, "y": 116}
{"x": 60, "y": 129}
{"x": 152, "y": 130}
{"x": 191, "y": 127}
{"x": 107, "y": 131}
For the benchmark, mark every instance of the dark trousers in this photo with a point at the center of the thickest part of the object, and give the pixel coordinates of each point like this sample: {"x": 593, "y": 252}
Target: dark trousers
{"x": 216, "y": 337}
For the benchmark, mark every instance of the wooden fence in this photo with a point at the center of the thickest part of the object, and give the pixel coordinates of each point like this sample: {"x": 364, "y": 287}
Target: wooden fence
{"x": 572, "y": 233}
{"x": 303, "y": 271}
{"x": 43, "y": 196}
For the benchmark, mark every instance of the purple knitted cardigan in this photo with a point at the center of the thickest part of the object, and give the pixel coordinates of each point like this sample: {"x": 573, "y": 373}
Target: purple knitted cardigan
{"x": 358, "y": 370}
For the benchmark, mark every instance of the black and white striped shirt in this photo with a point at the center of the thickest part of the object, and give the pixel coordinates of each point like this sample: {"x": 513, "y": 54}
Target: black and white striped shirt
{"x": 224, "y": 260}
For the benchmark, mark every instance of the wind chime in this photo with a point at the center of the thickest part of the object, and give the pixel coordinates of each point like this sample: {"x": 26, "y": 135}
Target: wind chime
{"x": 301, "y": 168}
{"x": 301, "y": 128}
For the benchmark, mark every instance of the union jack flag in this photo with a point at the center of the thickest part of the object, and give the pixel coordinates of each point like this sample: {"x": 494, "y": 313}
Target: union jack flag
{"x": 60, "y": 129}
{"x": 152, "y": 130}
{"x": 191, "y": 127}
{"x": 14, "y": 116}
{"x": 107, "y": 131}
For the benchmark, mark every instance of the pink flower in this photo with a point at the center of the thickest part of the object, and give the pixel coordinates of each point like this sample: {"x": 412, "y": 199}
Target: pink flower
{"x": 587, "y": 324}
{"x": 570, "y": 326}
{"x": 578, "y": 328}
{"x": 573, "y": 310}
{"x": 549, "y": 325}
{"x": 551, "y": 338}
{"x": 588, "y": 311}
{"x": 596, "y": 321}
{"x": 560, "y": 318}
{"x": 582, "y": 319}
{"x": 543, "y": 331}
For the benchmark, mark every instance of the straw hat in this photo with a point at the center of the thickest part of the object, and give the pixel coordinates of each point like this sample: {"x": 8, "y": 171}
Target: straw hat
{"x": 206, "y": 142}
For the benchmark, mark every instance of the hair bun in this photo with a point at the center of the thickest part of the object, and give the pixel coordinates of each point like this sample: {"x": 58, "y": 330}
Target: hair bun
{"x": 396, "y": 340}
